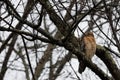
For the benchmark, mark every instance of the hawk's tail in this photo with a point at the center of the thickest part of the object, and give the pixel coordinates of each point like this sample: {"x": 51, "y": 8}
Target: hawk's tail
{"x": 82, "y": 66}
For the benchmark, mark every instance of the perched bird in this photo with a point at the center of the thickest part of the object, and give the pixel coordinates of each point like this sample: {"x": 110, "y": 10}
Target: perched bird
{"x": 88, "y": 46}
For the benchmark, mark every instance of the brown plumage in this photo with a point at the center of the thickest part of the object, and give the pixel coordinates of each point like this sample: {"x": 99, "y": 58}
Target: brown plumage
{"x": 88, "y": 46}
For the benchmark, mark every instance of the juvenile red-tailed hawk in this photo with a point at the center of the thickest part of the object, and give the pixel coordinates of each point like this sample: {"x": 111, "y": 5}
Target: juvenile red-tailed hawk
{"x": 88, "y": 46}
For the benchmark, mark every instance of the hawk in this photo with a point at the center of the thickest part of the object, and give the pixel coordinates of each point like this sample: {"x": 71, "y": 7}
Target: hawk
{"x": 88, "y": 46}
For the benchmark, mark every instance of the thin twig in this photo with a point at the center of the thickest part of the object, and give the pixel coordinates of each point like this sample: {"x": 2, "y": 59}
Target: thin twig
{"x": 28, "y": 57}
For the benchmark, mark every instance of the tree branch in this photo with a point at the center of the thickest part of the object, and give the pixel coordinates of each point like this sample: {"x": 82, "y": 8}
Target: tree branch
{"x": 105, "y": 56}
{"x": 61, "y": 25}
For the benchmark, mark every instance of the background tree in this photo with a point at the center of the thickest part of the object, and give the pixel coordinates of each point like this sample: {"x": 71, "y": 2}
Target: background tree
{"x": 39, "y": 39}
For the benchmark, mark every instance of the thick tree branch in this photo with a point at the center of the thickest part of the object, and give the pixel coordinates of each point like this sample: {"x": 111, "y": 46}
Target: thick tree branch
{"x": 61, "y": 25}
{"x": 105, "y": 56}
